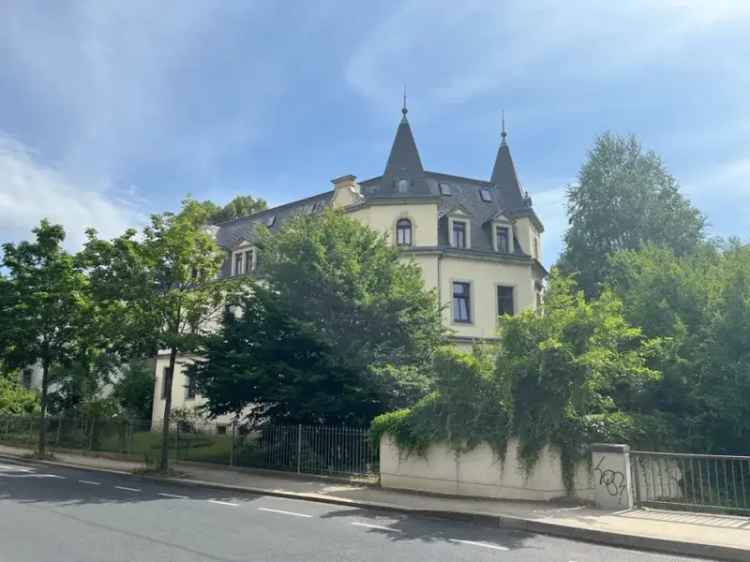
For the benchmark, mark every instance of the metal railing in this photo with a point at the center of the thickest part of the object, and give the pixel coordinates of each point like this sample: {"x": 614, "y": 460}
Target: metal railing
{"x": 309, "y": 449}
{"x": 691, "y": 482}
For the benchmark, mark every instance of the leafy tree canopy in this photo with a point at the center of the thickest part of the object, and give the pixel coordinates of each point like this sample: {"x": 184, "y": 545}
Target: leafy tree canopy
{"x": 134, "y": 389}
{"x": 240, "y": 206}
{"x": 158, "y": 289}
{"x": 625, "y": 198}
{"x": 44, "y": 308}
{"x": 342, "y": 329}
{"x": 701, "y": 304}
{"x": 14, "y": 398}
{"x": 558, "y": 378}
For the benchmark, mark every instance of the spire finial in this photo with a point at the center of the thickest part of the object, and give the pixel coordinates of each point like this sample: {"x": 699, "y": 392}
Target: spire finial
{"x": 503, "y": 134}
{"x": 403, "y": 107}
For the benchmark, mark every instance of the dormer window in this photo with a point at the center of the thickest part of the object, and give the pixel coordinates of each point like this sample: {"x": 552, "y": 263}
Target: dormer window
{"x": 458, "y": 234}
{"x": 402, "y": 186}
{"x": 502, "y": 234}
{"x": 238, "y": 260}
{"x": 244, "y": 260}
{"x": 403, "y": 232}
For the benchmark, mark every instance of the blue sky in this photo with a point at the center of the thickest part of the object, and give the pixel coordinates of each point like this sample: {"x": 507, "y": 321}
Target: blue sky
{"x": 110, "y": 111}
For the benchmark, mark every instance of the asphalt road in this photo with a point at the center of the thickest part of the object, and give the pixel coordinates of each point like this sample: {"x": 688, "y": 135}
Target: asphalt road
{"x": 61, "y": 515}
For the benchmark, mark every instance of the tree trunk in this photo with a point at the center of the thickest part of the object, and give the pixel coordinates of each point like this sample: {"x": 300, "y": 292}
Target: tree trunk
{"x": 43, "y": 421}
{"x": 164, "y": 463}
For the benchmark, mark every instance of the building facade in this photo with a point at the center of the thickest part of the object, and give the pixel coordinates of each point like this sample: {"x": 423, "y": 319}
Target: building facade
{"x": 478, "y": 242}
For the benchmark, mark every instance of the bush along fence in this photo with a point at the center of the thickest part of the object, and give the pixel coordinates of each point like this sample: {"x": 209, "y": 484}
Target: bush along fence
{"x": 309, "y": 449}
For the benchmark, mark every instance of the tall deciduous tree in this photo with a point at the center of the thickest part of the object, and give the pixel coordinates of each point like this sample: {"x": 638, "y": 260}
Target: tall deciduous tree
{"x": 625, "y": 197}
{"x": 159, "y": 290}
{"x": 342, "y": 330}
{"x": 266, "y": 363}
{"x": 44, "y": 307}
{"x": 350, "y": 283}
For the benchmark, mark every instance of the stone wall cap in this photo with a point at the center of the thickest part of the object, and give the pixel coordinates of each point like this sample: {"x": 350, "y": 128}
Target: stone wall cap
{"x": 609, "y": 448}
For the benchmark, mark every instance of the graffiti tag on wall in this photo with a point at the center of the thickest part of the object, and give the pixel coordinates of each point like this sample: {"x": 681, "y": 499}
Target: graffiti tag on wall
{"x": 612, "y": 480}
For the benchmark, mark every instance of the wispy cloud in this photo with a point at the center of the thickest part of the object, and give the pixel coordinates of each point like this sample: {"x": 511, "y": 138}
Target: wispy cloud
{"x": 32, "y": 191}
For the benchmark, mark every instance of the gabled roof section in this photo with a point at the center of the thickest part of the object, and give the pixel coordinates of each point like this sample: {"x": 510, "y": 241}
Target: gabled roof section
{"x": 404, "y": 174}
{"x": 505, "y": 178}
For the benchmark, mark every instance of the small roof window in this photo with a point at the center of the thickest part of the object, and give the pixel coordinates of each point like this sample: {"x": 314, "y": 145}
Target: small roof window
{"x": 445, "y": 189}
{"x": 270, "y": 221}
{"x": 402, "y": 185}
{"x": 485, "y": 195}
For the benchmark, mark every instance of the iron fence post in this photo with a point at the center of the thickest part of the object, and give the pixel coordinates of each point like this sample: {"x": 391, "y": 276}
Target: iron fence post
{"x": 299, "y": 448}
{"x": 233, "y": 444}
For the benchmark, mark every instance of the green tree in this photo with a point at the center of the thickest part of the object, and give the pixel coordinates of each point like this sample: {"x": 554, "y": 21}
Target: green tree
{"x": 14, "y": 398}
{"x": 342, "y": 330}
{"x": 563, "y": 377}
{"x": 44, "y": 308}
{"x": 625, "y": 198}
{"x": 158, "y": 289}
{"x": 350, "y": 284}
{"x": 266, "y": 363}
{"x": 240, "y": 206}
{"x": 699, "y": 304}
{"x": 134, "y": 389}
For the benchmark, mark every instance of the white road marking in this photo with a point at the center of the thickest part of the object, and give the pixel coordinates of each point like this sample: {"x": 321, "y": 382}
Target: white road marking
{"x": 284, "y": 512}
{"x": 484, "y": 544}
{"x": 224, "y": 503}
{"x": 166, "y": 495}
{"x": 379, "y": 527}
{"x": 128, "y": 489}
{"x": 32, "y": 476}
{"x": 17, "y": 467}
{"x": 90, "y": 482}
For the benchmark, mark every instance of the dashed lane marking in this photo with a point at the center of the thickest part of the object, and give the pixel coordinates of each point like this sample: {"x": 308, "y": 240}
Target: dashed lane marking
{"x": 166, "y": 495}
{"x": 219, "y": 502}
{"x": 282, "y": 512}
{"x": 90, "y": 482}
{"x": 15, "y": 468}
{"x": 128, "y": 489}
{"x": 482, "y": 544}
{"x": 378, "y": 527}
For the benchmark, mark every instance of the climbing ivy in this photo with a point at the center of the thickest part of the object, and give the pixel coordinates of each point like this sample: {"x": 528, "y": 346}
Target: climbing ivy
{"x": 563, "y": 378}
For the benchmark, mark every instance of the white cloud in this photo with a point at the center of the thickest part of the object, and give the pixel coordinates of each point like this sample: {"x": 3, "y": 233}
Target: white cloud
{"x": 485, "y": 48}
{"x": 31, "y": 190}
{"x": 723, "y": 194}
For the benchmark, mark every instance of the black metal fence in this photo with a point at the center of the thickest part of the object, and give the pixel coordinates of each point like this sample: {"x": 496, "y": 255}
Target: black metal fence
{"x": 691, "y": 482}
{"x": 309, "y": 449}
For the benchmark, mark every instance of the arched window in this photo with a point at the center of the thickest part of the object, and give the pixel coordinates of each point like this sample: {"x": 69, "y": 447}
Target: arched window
{"x": 403, "y": 232}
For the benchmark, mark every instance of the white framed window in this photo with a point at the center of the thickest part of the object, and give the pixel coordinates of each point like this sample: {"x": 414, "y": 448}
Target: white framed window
{"x": 502, "y": 238}
{"x": 403, "y": 232}
{"x": 506, "y": 300}
{"x": 461, "y": 302}
{"x": 244, "y": 260}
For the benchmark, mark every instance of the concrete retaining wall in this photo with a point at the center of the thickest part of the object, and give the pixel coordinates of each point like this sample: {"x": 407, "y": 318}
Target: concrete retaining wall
{"x": 479, "y": 473}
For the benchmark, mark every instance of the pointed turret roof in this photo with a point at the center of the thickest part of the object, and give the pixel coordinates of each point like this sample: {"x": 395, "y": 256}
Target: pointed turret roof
{"x": 404, "y": 174}
{"x": 504, "y": 176}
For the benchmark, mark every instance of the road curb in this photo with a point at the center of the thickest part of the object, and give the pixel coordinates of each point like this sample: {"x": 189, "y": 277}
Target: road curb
{"x": 598, "y": 536}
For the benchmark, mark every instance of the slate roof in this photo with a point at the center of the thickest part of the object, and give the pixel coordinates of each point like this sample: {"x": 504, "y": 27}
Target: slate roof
{"x": 404, "y": 163}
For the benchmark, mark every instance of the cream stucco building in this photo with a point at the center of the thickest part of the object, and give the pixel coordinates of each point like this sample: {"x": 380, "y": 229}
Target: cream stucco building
{"x": 478, "y": 242}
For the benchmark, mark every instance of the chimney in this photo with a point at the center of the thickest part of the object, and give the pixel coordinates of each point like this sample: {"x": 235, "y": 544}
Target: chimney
{"x": 345, "y": 191}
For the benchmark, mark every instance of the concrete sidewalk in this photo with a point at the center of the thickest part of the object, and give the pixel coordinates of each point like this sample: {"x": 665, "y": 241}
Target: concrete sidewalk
{"x": 709, "y": 536}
